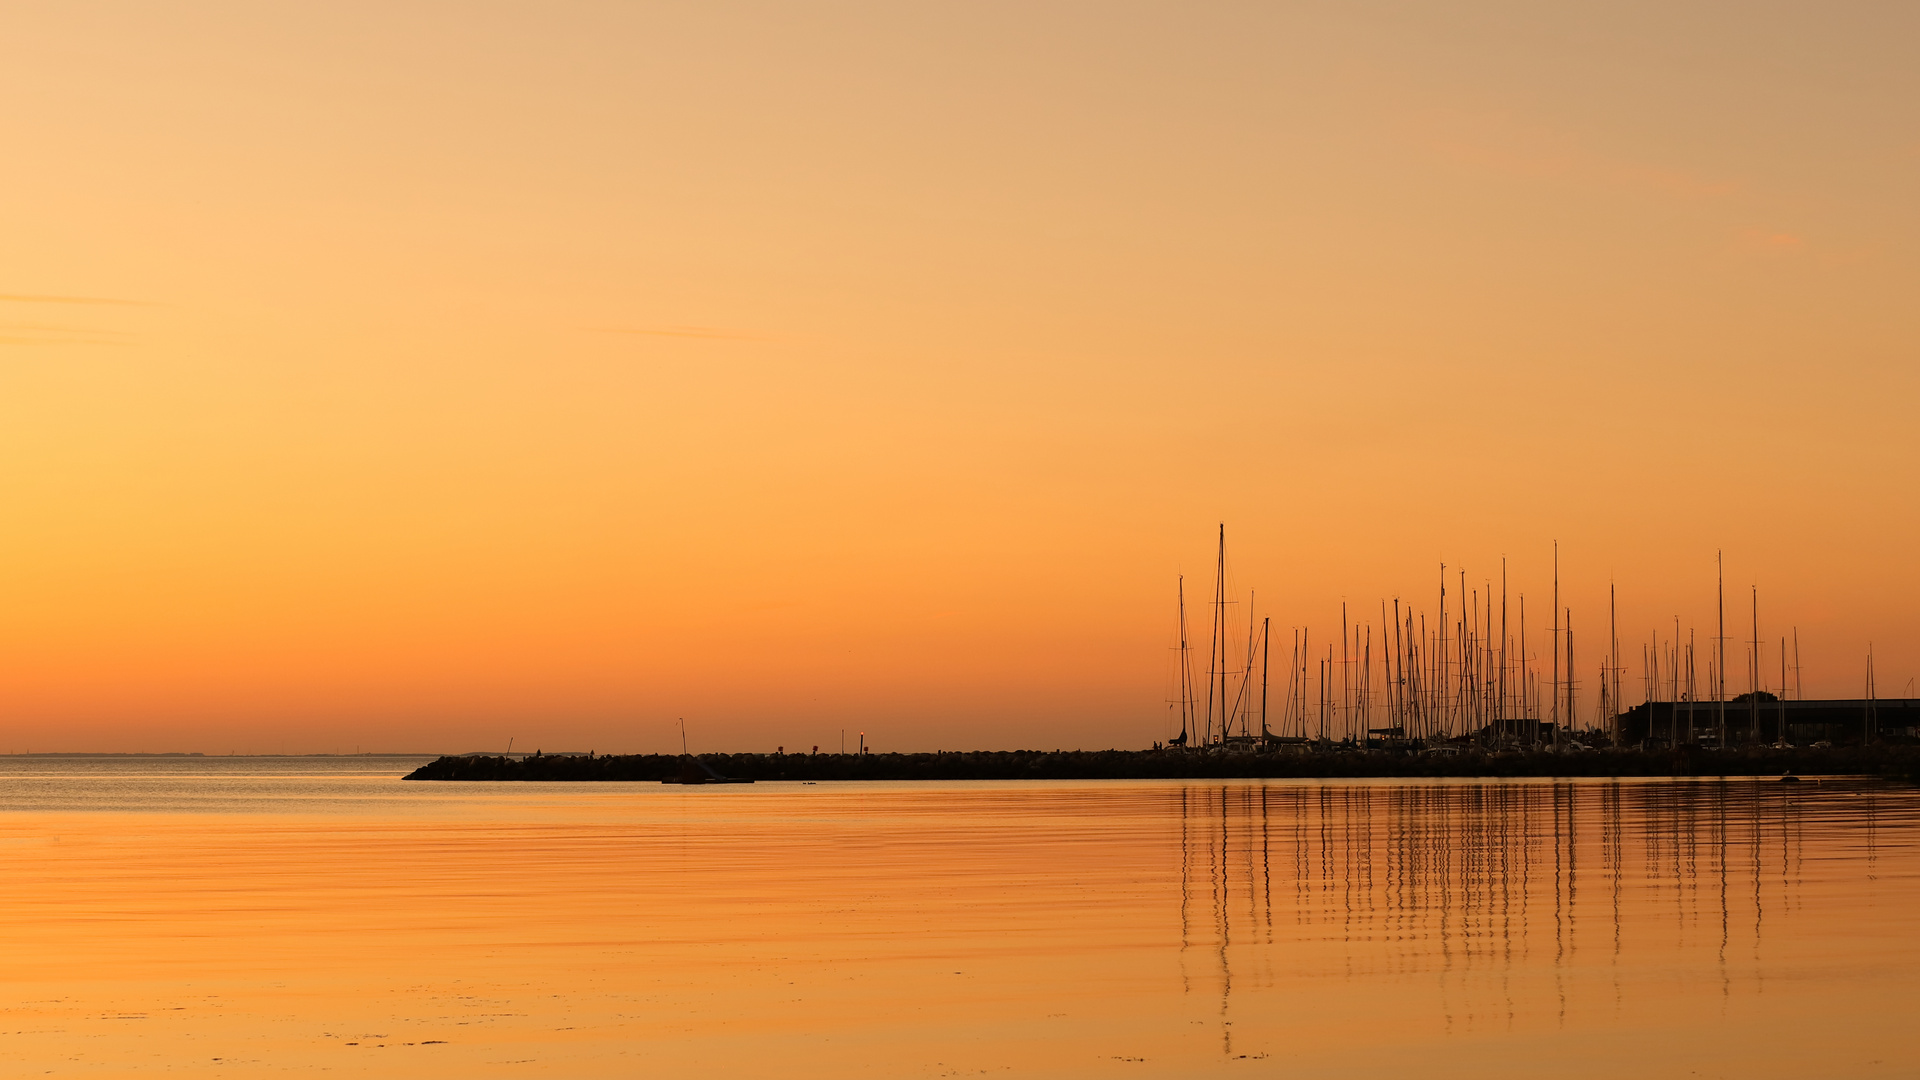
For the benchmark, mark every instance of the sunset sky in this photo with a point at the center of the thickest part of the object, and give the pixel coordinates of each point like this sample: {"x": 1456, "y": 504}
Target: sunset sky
{"x": 415, "y": 376}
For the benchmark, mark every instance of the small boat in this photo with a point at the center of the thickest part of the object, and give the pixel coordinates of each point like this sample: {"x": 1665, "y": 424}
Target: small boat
{"x": 695, "y": 771}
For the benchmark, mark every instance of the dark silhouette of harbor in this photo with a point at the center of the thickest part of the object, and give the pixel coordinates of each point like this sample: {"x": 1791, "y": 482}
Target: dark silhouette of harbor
{"x": 1882, "y": 759}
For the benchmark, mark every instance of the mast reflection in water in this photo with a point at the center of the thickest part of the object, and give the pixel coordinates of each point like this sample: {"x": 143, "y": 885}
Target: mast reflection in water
{"x": 1517, "y": 904}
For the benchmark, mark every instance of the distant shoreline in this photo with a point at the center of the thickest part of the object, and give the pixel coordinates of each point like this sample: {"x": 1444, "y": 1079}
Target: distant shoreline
{"x": 1900, "y": 762}
{"x": 202, "y": 754}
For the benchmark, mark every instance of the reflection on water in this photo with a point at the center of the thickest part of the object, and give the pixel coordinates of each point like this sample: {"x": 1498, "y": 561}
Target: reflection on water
{"x": 1544, "y": 904}
{"x": 319, "y": 915}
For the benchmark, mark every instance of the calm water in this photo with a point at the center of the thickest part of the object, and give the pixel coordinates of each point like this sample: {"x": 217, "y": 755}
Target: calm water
{"x": 312, "y": 915}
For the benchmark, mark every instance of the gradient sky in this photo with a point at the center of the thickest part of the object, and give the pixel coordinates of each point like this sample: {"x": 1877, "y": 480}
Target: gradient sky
{"x": 419, "y": 376}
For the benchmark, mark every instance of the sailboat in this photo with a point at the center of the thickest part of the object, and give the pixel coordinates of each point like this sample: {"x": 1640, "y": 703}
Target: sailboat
{"x": 1185, "y": 663}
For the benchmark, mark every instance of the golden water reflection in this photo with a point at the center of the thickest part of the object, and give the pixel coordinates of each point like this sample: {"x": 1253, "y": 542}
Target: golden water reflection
{"x": 1541, "y": 905}
{"x": 351, "y": 924}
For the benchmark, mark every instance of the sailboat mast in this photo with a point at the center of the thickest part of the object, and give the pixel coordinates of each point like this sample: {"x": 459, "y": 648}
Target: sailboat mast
{"x": 1220, "y": 590}
{"x": 1386, "y": 666}
{"x": 1871, "y": 729}
{"x": 1365, "y": 719}
{"x": 1526, "y": 702}
{"x": 1217, "y": 647}
{"x": 1293, "y": 671}
{"x": 1799, "y": 694}
{"x": 1470, "y": 657}
{"x": 1753, "y": 679}
{"x": 1266, "y": 646}
{"x": 1187, "y": 704}
{"x": 1246, "y": 679}
{"x": 1613, "y": 631}
{"x": 1483, "y": 665}
{"x": 1346, "y": 685}
{"x": 1719, "y": 678}
{"x": 1676, "y": 664}
{"x": 1500, "y": 710}
{"x": 1400, "y": 674}
{"x": 1440, "y": 660}
{"x": 1570, "y": 715}
{"x": 1306, "y": 650}
{"x": 1554, "y": 701}
{"x": 1781, "y": 700}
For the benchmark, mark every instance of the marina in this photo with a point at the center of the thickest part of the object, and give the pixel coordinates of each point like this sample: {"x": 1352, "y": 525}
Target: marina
{"x": 1473, "y": 683}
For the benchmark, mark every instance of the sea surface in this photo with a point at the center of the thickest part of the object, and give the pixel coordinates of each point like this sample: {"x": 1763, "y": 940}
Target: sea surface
{"x": 294, "y": 916}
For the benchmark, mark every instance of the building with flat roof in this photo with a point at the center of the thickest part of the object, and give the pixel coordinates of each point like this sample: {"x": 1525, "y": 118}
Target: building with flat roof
{"x": 1839, "y": 721}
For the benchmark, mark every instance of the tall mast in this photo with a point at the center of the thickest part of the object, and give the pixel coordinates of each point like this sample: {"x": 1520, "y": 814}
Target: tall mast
{"x": 1526, "y": 706}
{"x": 1410, "y": 685}
{"x": 1649, "y": 674}
{"x": 1673, "y": 721}
{"x": 1223, "y": 632}
{"x": 1676, "y": 662}
{"x": 1425, "y": 663}
{"x": 1604, "y": 712}
{"x": 1217, "y": 651}
{"x": 1440, "y": 660}
{"x": 1650, "y": 660}
{"x": 1570, "y": 715}
{"x": 1266, "y": 646}
{"x": 1293, "y": 671}
{"x": 1555, "y": 699}
{"x": 1501, "y": 710}
{"x": 1682, "y": 654}
{"x": 1690, "y": 688}
{"x": 1346, "y": 684}
{"x": 1870, "y": 728}
{"x": 1753, "y": 678}
{"x": 1693, "y": 684}
{"x": 1400, "y": 675}
{"x": 1469, "y": 655}
{"x": 1781, "y": 735}
{"x": 1613, "y": 632}
{"x": 1246, "y": 678}
{"x": 1386, "y": 664}
{"x": 1364, "y": 719}
{"x": 1306, "y": 649}
{"x": 1483, "y": 664}
{"x": 1719, "y": 679}
{"x": 1326, "y": 696}
{"x": 1464, "y": 645}
{"x": 1186, "y": 666}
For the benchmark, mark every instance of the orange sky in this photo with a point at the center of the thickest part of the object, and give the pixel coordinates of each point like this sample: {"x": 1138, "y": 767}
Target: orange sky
{"x": 417, "y": 376}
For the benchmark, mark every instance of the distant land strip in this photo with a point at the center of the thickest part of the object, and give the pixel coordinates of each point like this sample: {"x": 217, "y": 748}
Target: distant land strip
{"x": 1899, "y": 762}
